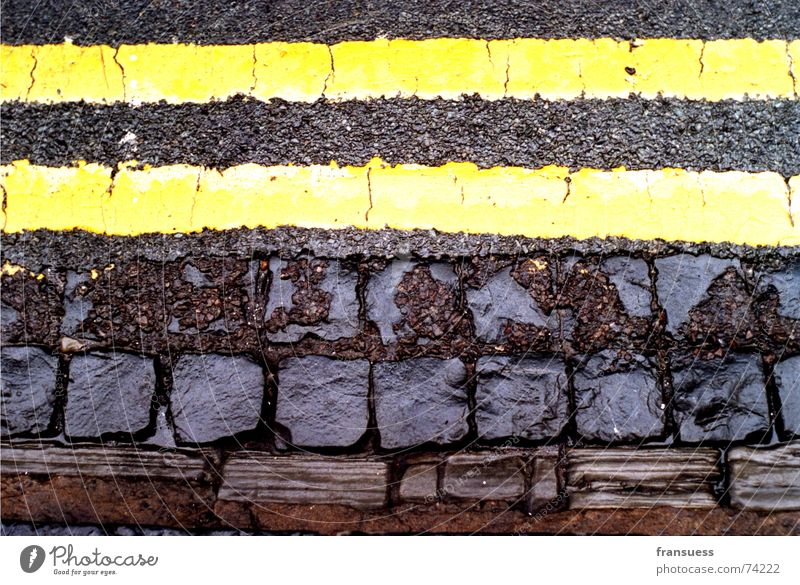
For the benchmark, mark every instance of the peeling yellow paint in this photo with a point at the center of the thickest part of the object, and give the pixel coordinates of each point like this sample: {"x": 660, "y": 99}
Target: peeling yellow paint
{"x": 539, "y": 264}
{"x": 548, "y": 68}
{"x": 794, "y": 64}
{"x": 364, "y": 69}
{"x": 252, "y": 196}
{"x": 63, "y": 198}
{"x": 433, "y": 68}
{"x": 668, "y": 67}
{"x": 291, "y": 71}
{"x": 9, "y": 269}
{"x": 70, "y": 73}
{"x": 428, "y": 69}
{"x": 16, "y": 64}
{"x": 185, "y": 73}
{"x": 732, "y": 68}
{"x": 158, "y": 199}
{"x": 670, "y": 204}
{"x": 94, "y": 273}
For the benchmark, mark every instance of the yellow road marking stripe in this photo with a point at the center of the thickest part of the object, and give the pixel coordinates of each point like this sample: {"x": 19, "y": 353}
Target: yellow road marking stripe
{"x": 671, "y": 204}
{"x": 447, "y": 68}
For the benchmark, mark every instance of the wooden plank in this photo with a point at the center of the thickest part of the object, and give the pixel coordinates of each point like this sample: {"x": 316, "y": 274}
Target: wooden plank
{"x": 101, "y": 462}
{"x": 766, "y": 479}
{"x": 252, "y": 477}
{"x": 632, "y": 478}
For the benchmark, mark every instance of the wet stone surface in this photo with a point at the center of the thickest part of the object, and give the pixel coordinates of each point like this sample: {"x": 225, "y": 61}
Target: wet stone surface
{"x": 420, "y": 400}
{"x": 787, "y": 379}
{"x": 77, "y": 304}
{"x": 30, "y": 306}
{"x": 543, "y": 300}
{"x": 200, "y": 304}
{"x": 631, "y": 277}
{"x": 28, "y": 376}
{"x": 618, "y": 398}
{"x": 412, "y": 302}
{"x": 608, "y": 303}
{"x": 215, "y": 396}
{"x": 511, "y": 304}
{"x": 108, "y": 393}
{"x": 163, "y": 435}
{"x": 779, "y": 306}
{"x": 524, "y": 398}
{"x": 322, "y": 402}
{"x": 720, "y": 399}
{"x": 786, "y": 283}
{"x": 311, "y": 296}
{"x": 706, "y": 301}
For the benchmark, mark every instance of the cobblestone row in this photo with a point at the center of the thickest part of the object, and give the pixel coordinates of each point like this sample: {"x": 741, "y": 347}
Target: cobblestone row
{"x": 365, "y": 355}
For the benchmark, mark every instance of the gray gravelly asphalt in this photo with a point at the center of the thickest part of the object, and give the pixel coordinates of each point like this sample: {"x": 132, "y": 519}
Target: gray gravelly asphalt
{"x": 223, "y": 21}
{"x": 635, "y": 133}
{"x": 82, "y": 250}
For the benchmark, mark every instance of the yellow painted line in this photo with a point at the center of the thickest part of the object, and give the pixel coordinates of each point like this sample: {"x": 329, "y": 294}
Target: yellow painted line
{"x": 671, "y": 204}
{"x": 447, "y": 68}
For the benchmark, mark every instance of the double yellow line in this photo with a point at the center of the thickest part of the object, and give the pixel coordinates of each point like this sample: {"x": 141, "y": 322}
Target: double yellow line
{"x": 671, "y": 204}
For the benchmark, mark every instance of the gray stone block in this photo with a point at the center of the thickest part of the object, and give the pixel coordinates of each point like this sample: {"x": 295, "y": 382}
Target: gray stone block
{"x": 311, "y": 296}
{"x": 787, "y": 378}
{"x": 322, "y": 401}
{"x": 787, "y": 284}
{"x": 419, "y": 483}
{"x": 77, "y": 306}
{"x": 420, "y": 400}
{"x": 28, "y": 390}
{"x": 683, "y": 281}
{"x": 618, "y": 399}
{"x": 484, "y": 476}
{"x": 108, "y": 393}
{"x": 215, "y": 396}
{"x": 500, "y": 302}
{"x": 163, "y": 436}
{"x": 524, "y": 397}
{"x": 631, "y": 277}
{"x": 544, "y": 488}
{"x": 720, "y": 399}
